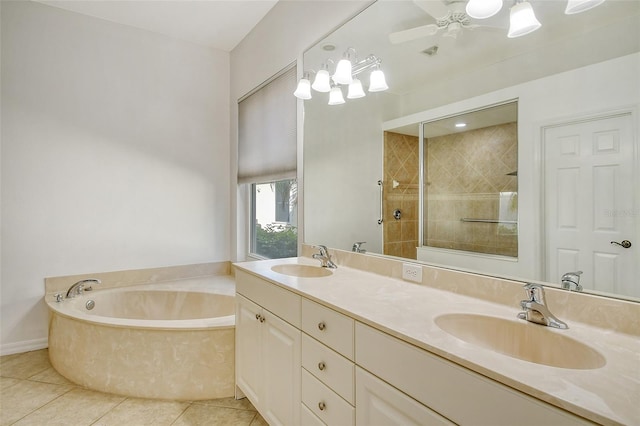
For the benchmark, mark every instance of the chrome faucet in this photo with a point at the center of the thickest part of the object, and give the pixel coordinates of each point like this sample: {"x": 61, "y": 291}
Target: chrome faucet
{"x": 80, "y": 286}
{"x": 572, "y": 279}
{"x": 324, "y": 257}
{"x": 357, "y": 247}
{"x": 535, "y": 308}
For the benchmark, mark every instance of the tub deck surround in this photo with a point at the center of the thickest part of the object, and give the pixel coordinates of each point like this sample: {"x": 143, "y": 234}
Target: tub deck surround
{"x": 185, "y": 353}
{"x": 607, "y": 395}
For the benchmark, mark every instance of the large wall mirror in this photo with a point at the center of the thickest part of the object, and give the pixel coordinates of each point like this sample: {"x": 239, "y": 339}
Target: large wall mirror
{"x": 543, "y": 179}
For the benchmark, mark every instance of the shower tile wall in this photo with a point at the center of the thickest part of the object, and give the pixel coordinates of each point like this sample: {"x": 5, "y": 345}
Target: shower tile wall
{"x": 466, "y": 174}
{"x": 401, "y": 164}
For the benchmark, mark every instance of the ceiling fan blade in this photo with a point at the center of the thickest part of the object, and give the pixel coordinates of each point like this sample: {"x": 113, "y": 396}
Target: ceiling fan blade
{"x": 490, "y": 28}
{"x": 435, "y": 8}
{"x": 413, "y": 33}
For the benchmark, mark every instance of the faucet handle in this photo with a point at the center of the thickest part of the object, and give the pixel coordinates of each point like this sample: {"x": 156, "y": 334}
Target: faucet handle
{"x": 323, "y": 249}
{"x": 535, "y": 293}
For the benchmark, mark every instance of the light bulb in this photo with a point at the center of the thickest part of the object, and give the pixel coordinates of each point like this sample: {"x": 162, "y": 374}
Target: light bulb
{"x": 483, "y": 9}
{"x": 577, "y": 6}
{"x": 522, "y": 20}
{"x": 321, "y": 82}
{"x": 303, "y": 91}
{"x": 335, "y": 96}
{"x": 355, "y": 90}
{"x": 377, "y": 82}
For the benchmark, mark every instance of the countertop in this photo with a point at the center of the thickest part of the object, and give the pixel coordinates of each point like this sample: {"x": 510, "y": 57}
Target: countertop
{"x": 607, "y": 395}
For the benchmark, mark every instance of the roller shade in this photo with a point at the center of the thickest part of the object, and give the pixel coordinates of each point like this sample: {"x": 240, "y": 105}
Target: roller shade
{"x": 267, "y": 131}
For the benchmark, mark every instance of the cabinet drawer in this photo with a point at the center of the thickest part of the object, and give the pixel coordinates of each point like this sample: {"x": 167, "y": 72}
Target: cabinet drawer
{"x": 328, "y": 326}
{"x": 307, "y": 418}
{"x": 457, "y": 393}
{"x": 381, "y": 404}
{"x": 281, "y": 302}
{"x": 329, "y": 367}
{"x": 324, "y": 403}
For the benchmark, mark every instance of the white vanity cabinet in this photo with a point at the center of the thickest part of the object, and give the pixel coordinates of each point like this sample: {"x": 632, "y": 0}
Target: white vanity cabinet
{"x": 459, "y": 394}
{"x": 328, "y": 370}
{"x": 268, "y": 348}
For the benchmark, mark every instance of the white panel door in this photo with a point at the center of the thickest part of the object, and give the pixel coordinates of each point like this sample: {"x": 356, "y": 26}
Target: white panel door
{"x": 282, "y": 363}
{"x": 589, "y": 201}
{"x": 249, "y": 364}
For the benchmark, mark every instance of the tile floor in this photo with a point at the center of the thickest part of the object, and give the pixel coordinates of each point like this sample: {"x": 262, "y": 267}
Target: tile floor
{"x": 33, "y": 393}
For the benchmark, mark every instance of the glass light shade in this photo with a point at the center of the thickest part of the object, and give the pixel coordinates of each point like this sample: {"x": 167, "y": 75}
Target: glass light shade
{"x": 303, "y": 91}
{"x": 377, "y": 82}
{"x": 577, "y": 6}
{"x": 355, "y": 90}
{"x": 321, "y": 82}
{"x": 343, "y": 72}
{"x": 335, "y": 96}
{"x": 483, "y": 9}
{"x": 523, "y": 20}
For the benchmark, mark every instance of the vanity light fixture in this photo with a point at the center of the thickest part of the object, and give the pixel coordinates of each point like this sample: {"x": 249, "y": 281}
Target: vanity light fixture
{"x": 482, "y": 9}
{"x": 303, "y": 91}
{"x": 521, "y": 16}
{"x": 577, "y": 6}
{"x": 335, "y": 96}
{"x": 522, "y": 19}
{"x": 346, "y": 72}
{"x": 355, "y": 90}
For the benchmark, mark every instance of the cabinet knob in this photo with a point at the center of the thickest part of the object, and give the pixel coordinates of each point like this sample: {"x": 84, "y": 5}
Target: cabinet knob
{"x": 321, "y": 326}
{"x": 321, "y": 366}
{"x": 322, "y": 406}
{"x": 258, "y": 317}
{"x": 262, "y": 318}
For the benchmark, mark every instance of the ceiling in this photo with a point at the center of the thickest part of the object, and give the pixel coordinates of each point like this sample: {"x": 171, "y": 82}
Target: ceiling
{"x": 219, "y": 24}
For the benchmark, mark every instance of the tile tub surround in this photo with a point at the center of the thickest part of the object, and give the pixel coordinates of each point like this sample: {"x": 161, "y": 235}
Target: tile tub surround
{"x": 167, "y": 359}
{"x": 607, "y": 395}
{"x": 33, "y": 393}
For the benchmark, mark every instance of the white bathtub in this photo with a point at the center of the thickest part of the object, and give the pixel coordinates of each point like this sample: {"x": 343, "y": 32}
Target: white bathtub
{"x": 170, "y": 340}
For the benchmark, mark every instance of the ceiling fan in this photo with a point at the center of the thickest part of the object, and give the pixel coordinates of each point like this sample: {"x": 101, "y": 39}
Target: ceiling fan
{"x": 451, "y": 19}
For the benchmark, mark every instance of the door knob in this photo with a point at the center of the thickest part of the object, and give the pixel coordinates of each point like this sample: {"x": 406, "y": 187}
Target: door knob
{"x": 624, "y": 243}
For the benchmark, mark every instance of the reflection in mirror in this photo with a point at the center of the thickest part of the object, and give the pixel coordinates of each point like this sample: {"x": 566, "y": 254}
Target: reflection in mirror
{"x": 576, "y": 71}
{"x": 471, "y": 182}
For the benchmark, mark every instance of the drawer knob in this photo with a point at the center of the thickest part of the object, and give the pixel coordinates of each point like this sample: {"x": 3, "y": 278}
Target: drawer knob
{"x": 322, "y": 406}
{"x": 258, "y": 317}
{"x": 321, "y": 366}
{"x": 321, "y": 326}
{"x": 262, "y": 318}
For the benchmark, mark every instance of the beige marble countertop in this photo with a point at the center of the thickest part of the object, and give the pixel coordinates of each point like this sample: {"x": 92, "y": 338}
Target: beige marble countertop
{"x": 607, "y": 395}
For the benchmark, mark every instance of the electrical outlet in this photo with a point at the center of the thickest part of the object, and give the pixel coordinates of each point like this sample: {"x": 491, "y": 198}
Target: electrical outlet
{"x": 412, "y": 272}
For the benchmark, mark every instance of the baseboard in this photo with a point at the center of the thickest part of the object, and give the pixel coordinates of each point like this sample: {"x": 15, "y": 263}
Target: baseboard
{"x": 23, "y": 346}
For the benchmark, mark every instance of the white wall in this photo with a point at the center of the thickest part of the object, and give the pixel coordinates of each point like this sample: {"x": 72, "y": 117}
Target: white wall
{"x": 115, "y": 148}
{"x": 279, "y": 39}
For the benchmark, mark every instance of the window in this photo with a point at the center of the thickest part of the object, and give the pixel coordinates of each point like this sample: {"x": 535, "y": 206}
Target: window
{"x": 274, "y": 233}
{"x": 267, "y": 162}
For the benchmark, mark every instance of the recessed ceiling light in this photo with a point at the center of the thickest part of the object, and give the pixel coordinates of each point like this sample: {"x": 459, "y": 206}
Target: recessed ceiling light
{"x": 461, "y": 125}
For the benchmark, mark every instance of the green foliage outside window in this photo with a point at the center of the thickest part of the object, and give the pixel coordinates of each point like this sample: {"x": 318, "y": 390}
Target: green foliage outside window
{"x": 276, "y": 241}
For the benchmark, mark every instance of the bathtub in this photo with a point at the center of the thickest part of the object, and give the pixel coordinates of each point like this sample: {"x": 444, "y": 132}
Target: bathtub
{"x": 172, "y": 340}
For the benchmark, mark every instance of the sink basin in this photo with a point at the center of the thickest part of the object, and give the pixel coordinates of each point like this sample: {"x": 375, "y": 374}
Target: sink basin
{"x": 522, "y": 340}
{"x": 303, "y": 271}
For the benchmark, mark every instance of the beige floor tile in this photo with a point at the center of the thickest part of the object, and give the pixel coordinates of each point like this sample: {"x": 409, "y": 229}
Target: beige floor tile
{"x": 5, "y": 382}
{"x": 50, "y": 375}
{"x": 24, "y": 397}
{"x": 25, "y": 365}
{"x": 207, "y": 415}
{"x": 77, "y": 407}
{"x": 258, "y": 420}
{"x": 139, "y": 412}
{"x": 241, "y": 404}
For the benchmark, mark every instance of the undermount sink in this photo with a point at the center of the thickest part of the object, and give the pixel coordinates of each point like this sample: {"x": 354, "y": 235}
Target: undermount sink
{"x": 522, "y": 340}
{"x": 303, "y": 271}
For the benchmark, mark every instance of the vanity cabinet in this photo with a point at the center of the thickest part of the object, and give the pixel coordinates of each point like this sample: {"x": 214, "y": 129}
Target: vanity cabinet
{"x": 328, "y": 370}
{"x": 457, "y": 393}
{"x": 268, "y": 349}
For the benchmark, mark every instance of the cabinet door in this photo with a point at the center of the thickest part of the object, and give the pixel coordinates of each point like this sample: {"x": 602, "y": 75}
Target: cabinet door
{"x": 282, "y": 359}
{"x": 249, "y": 370}
{"x": 377, "y": 403}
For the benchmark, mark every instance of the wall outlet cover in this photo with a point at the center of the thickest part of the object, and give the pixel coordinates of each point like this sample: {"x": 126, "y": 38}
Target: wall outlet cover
{"x": 411, "y": 272}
